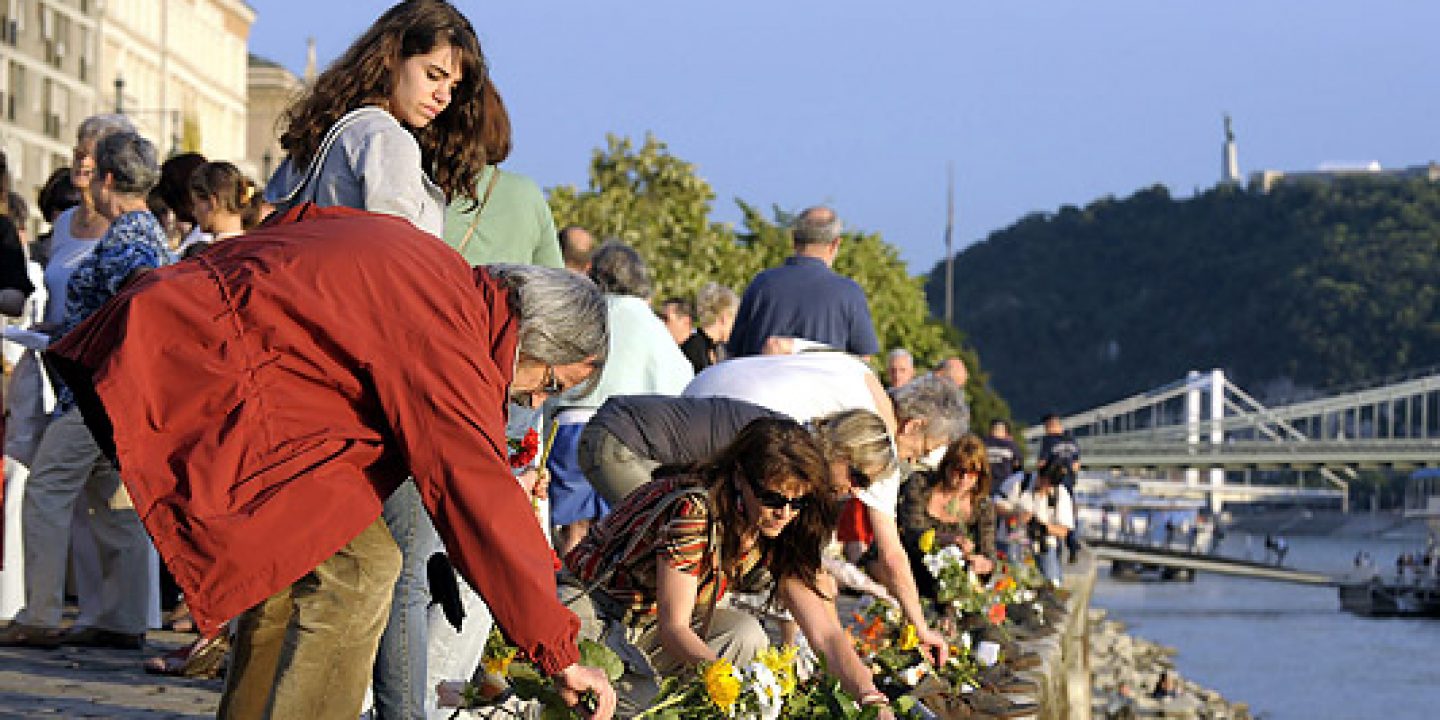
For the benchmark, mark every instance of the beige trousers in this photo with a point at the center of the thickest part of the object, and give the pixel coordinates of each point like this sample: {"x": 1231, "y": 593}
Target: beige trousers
{"x": 734, "y": 635}
{"x": 307, "y": 651}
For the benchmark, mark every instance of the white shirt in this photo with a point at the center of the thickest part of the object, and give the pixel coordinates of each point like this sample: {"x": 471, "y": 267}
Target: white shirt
{"x": 1063, "y": 513}
{"x": 66, "y": 253}
{"x": 805, "y": 386}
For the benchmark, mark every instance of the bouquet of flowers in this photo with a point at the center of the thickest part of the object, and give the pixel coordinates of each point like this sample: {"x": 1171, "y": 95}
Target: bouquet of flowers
{"x": 767, "y": 689}
{"x": 523, "y": 450}
{"x": 957, "y": 586}
{"x": 509, "y": 675}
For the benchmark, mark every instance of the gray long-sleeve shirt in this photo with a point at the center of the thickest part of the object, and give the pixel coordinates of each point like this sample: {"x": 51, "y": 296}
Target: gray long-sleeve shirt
{"x": 373, "y": 164}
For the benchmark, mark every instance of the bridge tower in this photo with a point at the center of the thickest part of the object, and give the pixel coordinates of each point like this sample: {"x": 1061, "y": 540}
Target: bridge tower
{"x": 1205, "y": 416}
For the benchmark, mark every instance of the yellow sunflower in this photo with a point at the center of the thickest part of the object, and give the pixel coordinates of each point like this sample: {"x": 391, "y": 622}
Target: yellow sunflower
{"x": 781, "y": 661}
{"x": 910, "y": 638}
{"x": 927, "y": 541}
{"x": 721, "y": 683}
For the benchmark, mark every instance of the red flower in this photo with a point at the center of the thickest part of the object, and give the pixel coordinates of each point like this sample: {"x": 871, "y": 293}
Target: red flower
{"x": 996, "y": 613}
{"x": 522, "y": 452}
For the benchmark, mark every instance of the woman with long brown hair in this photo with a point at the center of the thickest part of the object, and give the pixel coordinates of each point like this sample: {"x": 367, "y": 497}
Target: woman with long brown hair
{"x": 655, "y": 569}
{"x": 393, "y": 125}
{"x": 954, "y": 501}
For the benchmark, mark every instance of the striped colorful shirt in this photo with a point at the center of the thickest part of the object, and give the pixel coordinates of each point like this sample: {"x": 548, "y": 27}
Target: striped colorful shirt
{"x": 676, "y": 531}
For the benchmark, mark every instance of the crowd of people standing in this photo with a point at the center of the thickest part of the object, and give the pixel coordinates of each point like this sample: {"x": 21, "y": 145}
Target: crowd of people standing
{"x": 354, "y": 432}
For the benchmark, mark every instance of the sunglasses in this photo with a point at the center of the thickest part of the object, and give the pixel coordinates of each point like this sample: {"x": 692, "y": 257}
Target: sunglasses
{"x": 775, "y": 501}
{"x": 858, "y": 479}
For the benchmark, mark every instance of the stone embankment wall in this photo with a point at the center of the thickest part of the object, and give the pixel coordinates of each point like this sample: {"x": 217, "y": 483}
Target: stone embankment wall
{"x": 1090, "y": 660}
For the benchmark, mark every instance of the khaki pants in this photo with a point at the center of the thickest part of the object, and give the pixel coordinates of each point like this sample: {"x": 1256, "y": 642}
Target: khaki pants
{"x": 307, "y": 651}
{"x": 612, "y": 468}
{"x": 735, "y": 635}
{"x": 69, "y": 469}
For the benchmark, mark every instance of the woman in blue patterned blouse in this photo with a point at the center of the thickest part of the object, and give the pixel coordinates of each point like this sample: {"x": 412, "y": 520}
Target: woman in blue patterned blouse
{"x": 69, "y": 467}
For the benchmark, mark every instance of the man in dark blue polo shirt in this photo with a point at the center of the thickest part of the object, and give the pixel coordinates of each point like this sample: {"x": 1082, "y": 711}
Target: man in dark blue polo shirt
{"x": 804, "y": 298}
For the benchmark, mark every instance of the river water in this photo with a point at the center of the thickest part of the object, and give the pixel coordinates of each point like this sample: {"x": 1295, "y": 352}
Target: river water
{"x": 1288, "y": 650}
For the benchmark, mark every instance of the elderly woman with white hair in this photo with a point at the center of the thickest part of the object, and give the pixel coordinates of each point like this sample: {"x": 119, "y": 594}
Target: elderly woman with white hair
{"x": 716, "y": 306}
{"x": 69, "y": 464}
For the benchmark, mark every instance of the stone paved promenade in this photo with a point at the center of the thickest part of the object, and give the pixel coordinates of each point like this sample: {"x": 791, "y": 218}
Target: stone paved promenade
{"x": 93, "y": 683}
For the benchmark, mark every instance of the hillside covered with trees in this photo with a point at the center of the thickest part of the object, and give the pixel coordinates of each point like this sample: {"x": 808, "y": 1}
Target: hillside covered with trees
{"x": 1308, "y": 287}
{"x": 659, "y": 204}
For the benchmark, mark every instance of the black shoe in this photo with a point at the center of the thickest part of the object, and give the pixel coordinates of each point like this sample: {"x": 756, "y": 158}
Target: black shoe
{"x": 22, "y": 635}
{"x": 101, "y": 638}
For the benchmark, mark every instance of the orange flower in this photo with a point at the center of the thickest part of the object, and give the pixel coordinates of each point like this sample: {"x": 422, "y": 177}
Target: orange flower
{"x": 996, "y": 613}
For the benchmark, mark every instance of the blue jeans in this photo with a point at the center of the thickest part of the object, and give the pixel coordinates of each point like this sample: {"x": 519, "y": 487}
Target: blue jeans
{"x": 399, "y": 675}
{"x": 1049, "y": 561}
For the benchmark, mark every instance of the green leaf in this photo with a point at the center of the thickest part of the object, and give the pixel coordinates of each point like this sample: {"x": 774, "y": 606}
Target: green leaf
{"x": 597, "y": 655}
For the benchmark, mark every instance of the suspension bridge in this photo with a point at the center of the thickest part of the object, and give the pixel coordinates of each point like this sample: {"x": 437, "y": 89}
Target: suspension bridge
{"x": 1204, "y": 423}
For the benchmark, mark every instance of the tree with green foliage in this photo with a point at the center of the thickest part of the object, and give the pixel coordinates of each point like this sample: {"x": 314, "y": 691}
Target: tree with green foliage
{"x": 658, "y": 204}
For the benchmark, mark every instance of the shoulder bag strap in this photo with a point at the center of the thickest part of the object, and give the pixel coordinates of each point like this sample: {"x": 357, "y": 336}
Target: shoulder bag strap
{"x": 475, "y": 221}
{"x": 297, "y": 196}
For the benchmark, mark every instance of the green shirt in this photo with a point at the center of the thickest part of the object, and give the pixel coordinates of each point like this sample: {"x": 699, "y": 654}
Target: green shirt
{"x": 515, "y": 224}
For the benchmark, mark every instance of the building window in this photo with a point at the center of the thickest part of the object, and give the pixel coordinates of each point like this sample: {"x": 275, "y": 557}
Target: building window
{"x": 86, "y": 52}
{"x": 10, "y": 21}
{"x": 17, "y": 91}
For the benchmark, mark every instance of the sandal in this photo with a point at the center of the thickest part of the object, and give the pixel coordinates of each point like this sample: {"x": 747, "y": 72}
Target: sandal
{"x": 200, "y": 659}
{"x": 180, "y": 620}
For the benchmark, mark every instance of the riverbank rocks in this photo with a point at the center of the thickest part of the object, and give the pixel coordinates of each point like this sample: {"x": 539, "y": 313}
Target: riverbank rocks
{"x": 1126, "y": 669}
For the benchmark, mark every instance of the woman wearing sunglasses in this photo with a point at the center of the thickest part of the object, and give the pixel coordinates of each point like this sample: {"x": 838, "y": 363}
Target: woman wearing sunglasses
{"x": 648, "y": 577}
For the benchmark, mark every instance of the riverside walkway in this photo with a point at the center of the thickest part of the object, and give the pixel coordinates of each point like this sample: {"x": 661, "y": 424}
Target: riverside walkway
{"x": 99, "y": 683}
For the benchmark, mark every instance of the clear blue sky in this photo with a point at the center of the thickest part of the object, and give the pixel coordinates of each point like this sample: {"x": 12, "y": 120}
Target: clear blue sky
{"x": 861, "y": 105}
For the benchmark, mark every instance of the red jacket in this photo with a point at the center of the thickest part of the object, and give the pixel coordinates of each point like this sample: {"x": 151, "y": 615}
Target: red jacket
{"x": 264, "y": 398}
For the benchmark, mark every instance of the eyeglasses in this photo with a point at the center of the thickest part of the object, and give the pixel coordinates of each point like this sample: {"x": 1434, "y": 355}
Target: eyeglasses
{"x": 549, "y": 384}
{"x": 775, "y": 501}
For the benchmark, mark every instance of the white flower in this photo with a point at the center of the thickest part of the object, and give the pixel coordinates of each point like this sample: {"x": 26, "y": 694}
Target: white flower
{"x": 965, "y": 639}
{"x": 766, "y": 688}
{"x": 952, "y": 555}
{"x": 1027, "y": 596}
{"x": 934, "y": 564}
{"x": 911, "y": 675}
